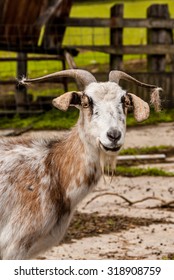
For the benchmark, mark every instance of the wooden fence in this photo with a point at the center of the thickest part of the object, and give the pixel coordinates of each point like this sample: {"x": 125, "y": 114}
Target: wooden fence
{"x": 158, "y": 49}
{"x": 159, "y": 46}
{"x": 159, "y": 33}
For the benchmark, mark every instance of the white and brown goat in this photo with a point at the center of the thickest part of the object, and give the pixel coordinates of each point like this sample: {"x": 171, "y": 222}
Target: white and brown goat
{"x": 42, "y": 181}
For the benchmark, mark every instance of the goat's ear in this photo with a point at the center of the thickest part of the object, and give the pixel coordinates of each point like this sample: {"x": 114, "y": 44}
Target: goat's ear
{"x": 141, "y": 108}
{"x": 71, "y": 98}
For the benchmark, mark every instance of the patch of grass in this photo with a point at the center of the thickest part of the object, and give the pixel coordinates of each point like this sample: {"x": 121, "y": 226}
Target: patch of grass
{"x": 53, "y": 119}
{"x": 155, "y": 117}
{"x": 148, "y": 150}
{"x": 34, "y": 68}
{"x": 136, "y": 172}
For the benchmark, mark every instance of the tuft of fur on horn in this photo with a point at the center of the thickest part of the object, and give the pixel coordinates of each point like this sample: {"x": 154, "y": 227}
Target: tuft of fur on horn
{"x": 22, "y": 81}
{"x": 155, "y": 99}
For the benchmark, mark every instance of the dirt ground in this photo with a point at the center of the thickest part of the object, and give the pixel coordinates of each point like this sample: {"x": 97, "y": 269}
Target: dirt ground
{"x": 127, "y": 218}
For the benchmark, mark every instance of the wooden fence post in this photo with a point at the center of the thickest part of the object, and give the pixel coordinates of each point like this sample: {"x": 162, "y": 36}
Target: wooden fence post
{"x": 116, "y": 38}
{"x": 158, "y": 36}
{"x": 21, "y": 91}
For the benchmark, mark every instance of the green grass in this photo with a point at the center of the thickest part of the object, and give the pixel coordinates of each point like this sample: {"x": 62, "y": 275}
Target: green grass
{"x": 55, "y": 119}
{"x": 148, "y": 150}
{"x": 155, "y": 118}
{"x": 35, "y": 68}
{"x": 136, "y": 172}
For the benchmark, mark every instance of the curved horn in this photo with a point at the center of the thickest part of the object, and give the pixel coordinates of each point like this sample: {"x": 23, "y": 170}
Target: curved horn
{"x": 116, "y": 76}
{"x": 82, "y": 77}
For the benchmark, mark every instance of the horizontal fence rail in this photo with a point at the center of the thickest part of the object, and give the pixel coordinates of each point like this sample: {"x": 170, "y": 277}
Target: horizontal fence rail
{"x": 100, "y": 22}
{"x": 115, "y": 22}
{"x": 130, "y": 49}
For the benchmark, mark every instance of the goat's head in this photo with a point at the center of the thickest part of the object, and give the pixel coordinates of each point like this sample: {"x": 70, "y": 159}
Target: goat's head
{"x": 103, "y": 106}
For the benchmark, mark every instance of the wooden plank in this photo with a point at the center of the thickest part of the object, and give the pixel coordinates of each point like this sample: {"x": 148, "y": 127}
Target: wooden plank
{"x": 39, "y": 58}
{"x": 115, "y": 22}
{"x": 21, "y": 91}
{"x": 129, "y": 49}
{"x": 116, "y": 38}
{"x": 18, "y": 19}
{"x": 142, "y": 157}
{"x": 2, "y": 10}
{"x": 161, "y": 36}
{"x": 147, "y": 23}
{"x": 29, "y": 48}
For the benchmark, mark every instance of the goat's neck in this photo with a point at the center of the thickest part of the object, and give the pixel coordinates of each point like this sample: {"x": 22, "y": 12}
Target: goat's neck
{"x": 78, "y": 165}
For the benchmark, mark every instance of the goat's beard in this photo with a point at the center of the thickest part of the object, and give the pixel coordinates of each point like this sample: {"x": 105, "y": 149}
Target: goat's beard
{"x": 108, "y": 164}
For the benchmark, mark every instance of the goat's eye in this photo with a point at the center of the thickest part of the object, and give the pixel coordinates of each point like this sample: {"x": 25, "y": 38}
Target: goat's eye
{"x": 85, "y": 105}
{"x": 125, "y": 101}
{"x": 85, "y": 101}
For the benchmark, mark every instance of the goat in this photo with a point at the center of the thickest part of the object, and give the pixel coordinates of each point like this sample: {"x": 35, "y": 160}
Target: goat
{"x": 43, "y": 180}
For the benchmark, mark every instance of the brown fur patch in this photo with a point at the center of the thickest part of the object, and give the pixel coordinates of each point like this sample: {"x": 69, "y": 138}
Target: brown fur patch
{"x": 66, "y": 166}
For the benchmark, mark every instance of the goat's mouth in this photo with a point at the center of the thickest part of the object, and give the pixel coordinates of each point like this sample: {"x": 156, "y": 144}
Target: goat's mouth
{"x": 108, "y": 149}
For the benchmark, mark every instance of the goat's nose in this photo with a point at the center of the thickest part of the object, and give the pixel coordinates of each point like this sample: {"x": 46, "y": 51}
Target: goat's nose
{"x": 113, "y": 134}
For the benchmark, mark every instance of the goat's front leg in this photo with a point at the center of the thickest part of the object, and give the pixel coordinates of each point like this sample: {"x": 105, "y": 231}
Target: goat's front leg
{"x": 15, "y": 253}
{"x": 19, "y": 249}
